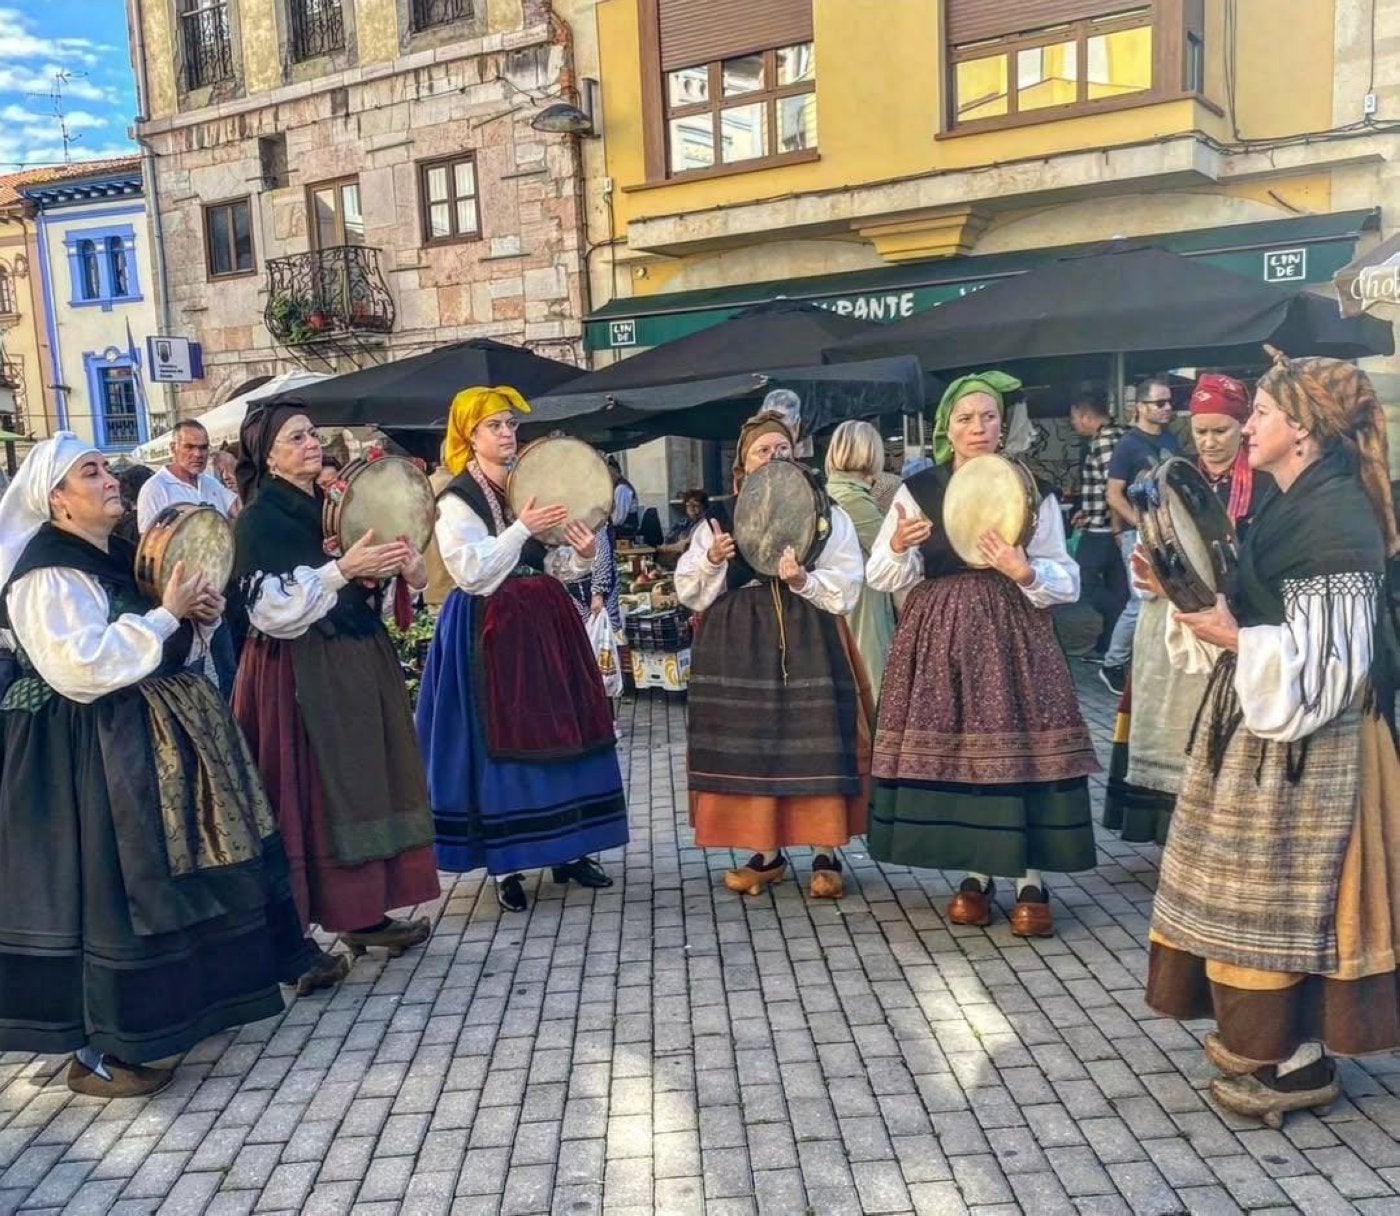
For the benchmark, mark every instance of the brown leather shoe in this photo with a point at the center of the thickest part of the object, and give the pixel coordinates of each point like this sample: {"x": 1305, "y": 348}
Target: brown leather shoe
{"x": 827, "y": 882}
{"x": 752, "y": 878}
{"x": 1031, "y": 917}
{"x": 128, "y": 1080}
{"x": 972, "y": 905}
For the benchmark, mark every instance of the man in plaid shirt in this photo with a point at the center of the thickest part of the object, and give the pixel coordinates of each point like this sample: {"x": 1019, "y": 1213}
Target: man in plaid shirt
{"x": 1103, "y": 578}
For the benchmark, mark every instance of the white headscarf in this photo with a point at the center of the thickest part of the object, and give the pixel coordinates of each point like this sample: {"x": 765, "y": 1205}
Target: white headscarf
{"x": 25, "y": 507}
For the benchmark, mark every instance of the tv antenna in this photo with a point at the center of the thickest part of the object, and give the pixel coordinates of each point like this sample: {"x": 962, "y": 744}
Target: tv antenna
{"x": 56, "y": 102}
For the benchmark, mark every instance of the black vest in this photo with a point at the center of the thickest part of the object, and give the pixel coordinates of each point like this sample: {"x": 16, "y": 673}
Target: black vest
{"x": 465, "y": 487}
{"x": 927, "y": 489}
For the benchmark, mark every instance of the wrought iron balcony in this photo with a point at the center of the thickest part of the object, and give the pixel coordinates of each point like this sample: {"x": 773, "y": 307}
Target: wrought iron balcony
{"x": 318, "y": 27}
{"x": 430, "y": 13}
{"x": 327, "y": 293}
{"x": 208, "y": 48}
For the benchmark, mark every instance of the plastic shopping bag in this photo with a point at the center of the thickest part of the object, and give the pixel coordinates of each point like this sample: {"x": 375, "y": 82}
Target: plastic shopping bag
{"x": 600, "y": 637}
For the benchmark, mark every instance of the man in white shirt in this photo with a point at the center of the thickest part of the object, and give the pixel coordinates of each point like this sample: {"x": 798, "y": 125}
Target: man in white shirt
{"x": 185, "y": 480}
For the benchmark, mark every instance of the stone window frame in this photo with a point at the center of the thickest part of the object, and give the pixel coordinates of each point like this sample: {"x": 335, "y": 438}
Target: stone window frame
{"x": 206, "y": 216}
{"x": 423, "y": 167}
{"x": 295, "y": 71}
{"x": 222, "y": 90}
{"x": 463, "y": 29}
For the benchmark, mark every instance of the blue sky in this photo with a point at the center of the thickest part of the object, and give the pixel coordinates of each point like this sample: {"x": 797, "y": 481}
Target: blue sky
{"x": 86, "y": 39}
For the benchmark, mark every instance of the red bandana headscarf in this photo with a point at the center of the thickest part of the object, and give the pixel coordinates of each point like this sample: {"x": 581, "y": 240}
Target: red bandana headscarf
{"x": 1216, "y": 394}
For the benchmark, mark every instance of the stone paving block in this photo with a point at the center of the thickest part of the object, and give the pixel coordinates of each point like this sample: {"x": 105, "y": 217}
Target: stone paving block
{"x": 937, "y": 1199}
{"x": 288, "y": 1187}
{"x": 980, "y": 1179}
{"x": 880, "y": 1186}
{"x": 92, "y": 1198}
{"x": 921, "y": 1159}
{"x": 428, "y": 1194}
{"x": 156, "y": 1176}
{"x": 1147, "y": 1192}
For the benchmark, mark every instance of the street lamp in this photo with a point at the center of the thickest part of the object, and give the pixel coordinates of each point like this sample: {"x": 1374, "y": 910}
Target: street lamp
{"x": 564, "y": 119}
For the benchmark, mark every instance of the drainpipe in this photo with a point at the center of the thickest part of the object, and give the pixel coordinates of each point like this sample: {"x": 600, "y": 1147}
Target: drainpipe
{"x": 151, "y": 187}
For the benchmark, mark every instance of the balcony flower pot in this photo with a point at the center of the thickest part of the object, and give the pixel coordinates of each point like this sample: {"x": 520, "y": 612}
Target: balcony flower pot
{"x": 317, "y": 322}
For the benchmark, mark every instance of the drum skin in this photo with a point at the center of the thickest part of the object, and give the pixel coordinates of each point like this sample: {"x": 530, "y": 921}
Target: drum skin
{"x": 561, "y": 470}
{"x": 195, "y": 534}
{"x": 989, "y": 494}
{"x": 1186, "y": 533}
{"x": 390, "y": 495}
{"x": 780, "y": 505}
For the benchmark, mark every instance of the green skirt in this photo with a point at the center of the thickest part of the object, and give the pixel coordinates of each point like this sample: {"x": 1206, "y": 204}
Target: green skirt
{"x": 990, "y": 829}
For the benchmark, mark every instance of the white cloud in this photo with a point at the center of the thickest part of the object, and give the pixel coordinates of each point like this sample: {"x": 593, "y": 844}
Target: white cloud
{"x": 31, "y": 65}
{"x": 18, "y": 41}
{"x": 20, "y": 78}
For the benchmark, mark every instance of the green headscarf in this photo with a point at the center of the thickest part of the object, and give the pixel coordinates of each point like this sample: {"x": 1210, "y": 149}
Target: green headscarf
{"x": 996, "y": 385}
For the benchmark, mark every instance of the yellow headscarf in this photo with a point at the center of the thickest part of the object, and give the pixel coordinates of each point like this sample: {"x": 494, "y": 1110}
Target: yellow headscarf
{"x": 469, "y": 408}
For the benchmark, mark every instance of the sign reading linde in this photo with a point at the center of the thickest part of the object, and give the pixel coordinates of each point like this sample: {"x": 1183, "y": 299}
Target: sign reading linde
{"x": 1286, "y": 266}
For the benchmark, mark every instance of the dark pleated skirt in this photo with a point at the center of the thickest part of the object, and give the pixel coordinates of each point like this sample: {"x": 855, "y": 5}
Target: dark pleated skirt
{"x": 339, "y": 896}
{"x": 80, "y": 830}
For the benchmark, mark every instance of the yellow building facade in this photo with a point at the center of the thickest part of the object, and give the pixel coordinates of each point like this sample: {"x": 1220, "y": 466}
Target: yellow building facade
{"x": 23, "y": 349}
{"x": 931, "y": 132}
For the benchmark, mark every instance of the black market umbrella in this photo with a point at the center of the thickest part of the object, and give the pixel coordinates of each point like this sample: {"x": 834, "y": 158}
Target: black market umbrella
{"x": 417, "y": 392}
{"x": 701, "y": 386}
{"x": 715, "y": 407}
{"x": 1121, "y": 301}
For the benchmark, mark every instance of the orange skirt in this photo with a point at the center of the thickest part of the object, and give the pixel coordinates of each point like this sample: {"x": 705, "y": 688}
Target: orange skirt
{"x": 763, "y": 824}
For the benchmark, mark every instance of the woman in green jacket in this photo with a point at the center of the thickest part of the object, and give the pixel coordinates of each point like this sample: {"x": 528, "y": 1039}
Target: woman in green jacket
{"x": 853, "y": 461}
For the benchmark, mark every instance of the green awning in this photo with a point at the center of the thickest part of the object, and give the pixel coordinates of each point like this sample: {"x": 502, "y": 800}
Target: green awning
{"x": 1304, "y": 250}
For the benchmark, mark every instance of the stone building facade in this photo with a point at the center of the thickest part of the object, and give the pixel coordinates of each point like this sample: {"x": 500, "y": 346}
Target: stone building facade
{"x": 340, "y": 182}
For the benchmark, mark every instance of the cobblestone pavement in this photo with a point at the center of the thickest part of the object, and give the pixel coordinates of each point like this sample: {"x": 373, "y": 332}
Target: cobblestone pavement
{"x": 667, "y": 1047}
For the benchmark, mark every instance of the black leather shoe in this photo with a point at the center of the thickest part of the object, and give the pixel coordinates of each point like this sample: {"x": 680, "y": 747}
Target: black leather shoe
{"x": 585, "y": 871}
{"x": 510, "y": 894}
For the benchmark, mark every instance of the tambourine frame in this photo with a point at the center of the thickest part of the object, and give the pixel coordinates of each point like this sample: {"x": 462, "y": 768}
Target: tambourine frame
{"x": 821, "y": 504}
{"x": 1185, "y": 586}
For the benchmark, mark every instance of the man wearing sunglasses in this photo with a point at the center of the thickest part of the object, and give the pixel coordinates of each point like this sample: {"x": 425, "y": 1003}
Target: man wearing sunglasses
{"x": 1145, "y": 446}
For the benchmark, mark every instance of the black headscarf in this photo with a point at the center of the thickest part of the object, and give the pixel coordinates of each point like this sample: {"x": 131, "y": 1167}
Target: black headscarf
{"x": 280, "y": 528}
{"x": 255, "y": 439}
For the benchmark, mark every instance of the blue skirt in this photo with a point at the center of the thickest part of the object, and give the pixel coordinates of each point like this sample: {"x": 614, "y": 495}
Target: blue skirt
{"x": 506, "y": 815}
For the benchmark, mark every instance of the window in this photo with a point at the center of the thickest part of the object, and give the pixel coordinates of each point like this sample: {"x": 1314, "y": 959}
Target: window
{"x": 117, "y": 274}
{"x": 336, "y": 215}
{"x": 430, "y": 13}
{"x": 318, "y": 28}
{"x": 448, "y": 200}
{"x": 228, "y": 238}
{"x": 753, "y": 107}
{"x": 116, "y": 398}
{"x": 7, "y": 293}
{"x": 205, "y": 40}
{"x": 272, "y": 160}
{"x": 90, "y": 273}
{"x": 1075, "y": 64}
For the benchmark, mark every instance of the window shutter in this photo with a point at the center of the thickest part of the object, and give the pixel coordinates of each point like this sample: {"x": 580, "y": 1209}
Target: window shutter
{"x": 701, "y": 31}
{"x": 975, "y": 20}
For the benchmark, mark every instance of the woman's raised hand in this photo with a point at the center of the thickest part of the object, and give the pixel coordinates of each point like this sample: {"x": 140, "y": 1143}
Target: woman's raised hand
{"x": 579, "y": 535}
{"x": 184, "y": 593}
{"x": 910, "y": 531}
{"x": 542, "y": 519}
{"x": 1144, "y": 573}
{"x": 721, "y": 546}
{"x": 367, "y": 559}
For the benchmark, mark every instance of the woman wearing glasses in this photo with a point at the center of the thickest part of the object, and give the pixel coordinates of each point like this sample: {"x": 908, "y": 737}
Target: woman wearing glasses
{"x": 512, "y": 717}
{"x": 321, "y": 698}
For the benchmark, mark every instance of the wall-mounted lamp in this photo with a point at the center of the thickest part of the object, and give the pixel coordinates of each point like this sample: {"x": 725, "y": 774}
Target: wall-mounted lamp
{"x": 564, "y": 119}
